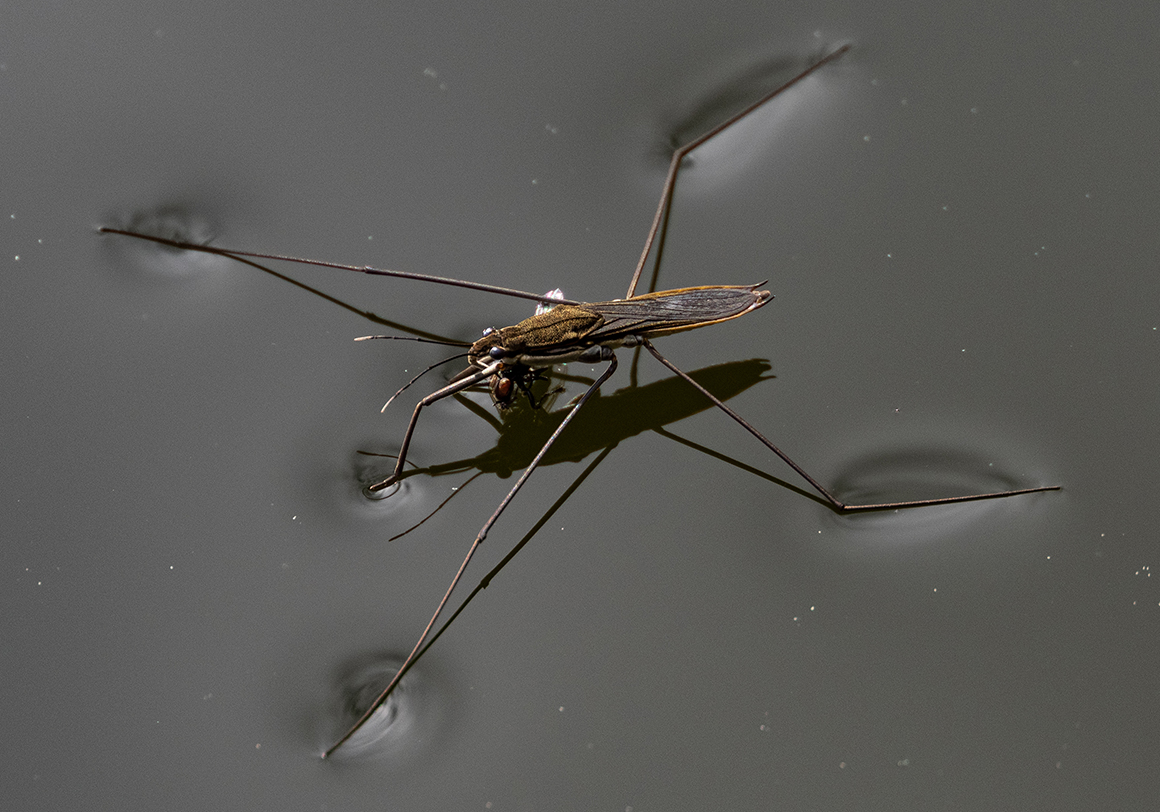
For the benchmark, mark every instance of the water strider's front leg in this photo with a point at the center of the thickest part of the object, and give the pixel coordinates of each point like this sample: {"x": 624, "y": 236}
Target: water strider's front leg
{"x": 447, "y": 391}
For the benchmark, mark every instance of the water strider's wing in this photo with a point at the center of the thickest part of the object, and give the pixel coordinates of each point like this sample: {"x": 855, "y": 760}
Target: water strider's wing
{"x": 671, "y": 311}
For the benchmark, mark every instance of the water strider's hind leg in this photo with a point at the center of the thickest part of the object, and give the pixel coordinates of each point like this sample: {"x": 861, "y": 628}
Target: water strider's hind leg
{"x": 836, "y": 503}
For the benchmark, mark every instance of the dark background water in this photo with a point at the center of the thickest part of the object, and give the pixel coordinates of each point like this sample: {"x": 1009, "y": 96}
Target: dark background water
{"x": 959, "y": 223}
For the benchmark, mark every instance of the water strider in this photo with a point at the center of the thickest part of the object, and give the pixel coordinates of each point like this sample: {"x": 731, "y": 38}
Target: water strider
{"x": 510, "y": 358}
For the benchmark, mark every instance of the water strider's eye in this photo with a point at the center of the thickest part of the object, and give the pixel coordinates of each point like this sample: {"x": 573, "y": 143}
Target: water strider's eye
{"x": 503, "y": 390}
{"x": 497, "y": 353}
{"x": 488, "y": 331}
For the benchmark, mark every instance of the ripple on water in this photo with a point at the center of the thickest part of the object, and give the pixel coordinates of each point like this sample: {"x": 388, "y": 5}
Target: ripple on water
{"x": 397, "y": 729}
{"x": 925, "y": 473}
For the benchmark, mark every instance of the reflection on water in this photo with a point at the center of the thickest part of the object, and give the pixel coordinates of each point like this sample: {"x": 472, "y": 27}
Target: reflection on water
{"x": 521, "y": 432}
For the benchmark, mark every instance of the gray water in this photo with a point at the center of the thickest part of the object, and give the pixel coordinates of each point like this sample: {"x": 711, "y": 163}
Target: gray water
{"x": 958, "y": 222}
